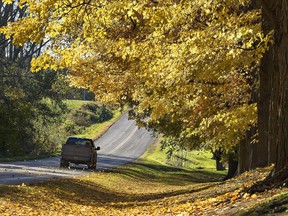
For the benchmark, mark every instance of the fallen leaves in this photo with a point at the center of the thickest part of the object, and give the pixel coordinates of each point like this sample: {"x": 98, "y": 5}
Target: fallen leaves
{"x": 117, "y": 194}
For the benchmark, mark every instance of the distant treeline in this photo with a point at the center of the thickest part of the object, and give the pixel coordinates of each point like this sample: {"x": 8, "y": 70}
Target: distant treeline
{"x": 31, "y": 104}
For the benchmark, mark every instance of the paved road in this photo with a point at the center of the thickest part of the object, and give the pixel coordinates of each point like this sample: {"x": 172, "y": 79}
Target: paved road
{"x": 121, "y": 144}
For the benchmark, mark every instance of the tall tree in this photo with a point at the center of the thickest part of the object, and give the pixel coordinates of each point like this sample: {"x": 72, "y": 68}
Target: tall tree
{"x": 276, "y": 19}
{"x": 183, "y": 66}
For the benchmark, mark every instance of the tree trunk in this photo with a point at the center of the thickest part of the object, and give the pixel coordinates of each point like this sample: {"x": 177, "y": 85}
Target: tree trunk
{"x": 217, "y": 155}
{"x": 258, "y": 152}
{"x": 219, "y": 165}
{"x": 281, "y": 84}
{"x": 263, "y": 109}
{"x": 251, "y": 154}
{"x": 275, "y": 14}
{"x": 266, "y": 106}
{"x": 244, "y": 156}
{"x": 232, "y": 167}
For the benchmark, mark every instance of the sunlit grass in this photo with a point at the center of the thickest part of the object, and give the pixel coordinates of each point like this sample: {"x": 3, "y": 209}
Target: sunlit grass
{"x": 152, "y": 168}
{"x": 93, "y": 131}
{"x": 96, "y": 130}
{"x": 75, "y": 104}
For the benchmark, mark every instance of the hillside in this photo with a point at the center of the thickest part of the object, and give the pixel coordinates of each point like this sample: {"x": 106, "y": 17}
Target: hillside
{"x": 88, "y": 118}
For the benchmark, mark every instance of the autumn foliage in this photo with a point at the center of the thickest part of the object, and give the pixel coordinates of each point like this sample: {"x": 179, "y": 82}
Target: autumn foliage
{"x": 187, "y": 68}
{"x": 130, "y": 191}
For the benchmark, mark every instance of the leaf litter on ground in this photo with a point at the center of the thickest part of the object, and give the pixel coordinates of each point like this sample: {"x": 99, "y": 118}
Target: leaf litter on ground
{"x": 117, "y": 193}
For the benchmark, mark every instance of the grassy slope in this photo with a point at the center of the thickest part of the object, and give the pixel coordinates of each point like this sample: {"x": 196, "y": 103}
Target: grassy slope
{"x": 95, "y": 130}
{"x": 146, "y": 187}
{"x": 75, "y": 104}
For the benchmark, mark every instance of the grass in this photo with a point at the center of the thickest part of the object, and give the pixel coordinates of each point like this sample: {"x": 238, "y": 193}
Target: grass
{"x": 193, "y": 159}
{"x": 75, "y": 104}
{"x": 153, "y": 166}
{"x": 96, "y": 130}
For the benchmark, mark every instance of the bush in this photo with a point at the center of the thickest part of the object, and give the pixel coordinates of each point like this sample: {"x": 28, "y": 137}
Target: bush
{"x": 100, "y": 113}
{"x": 87, "y": 115}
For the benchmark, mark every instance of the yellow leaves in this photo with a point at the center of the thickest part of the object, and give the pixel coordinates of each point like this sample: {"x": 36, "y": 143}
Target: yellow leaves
{"x": 53, "y": 30}
{"x": 8, "y": 1}
{"x": 249, "y": 196}
{"x": 227, "y": 127}
{"x": 24, "y": 29}
{"x": 45, "y": 61}
{"x": 254, "y": 196}
{"x": 182, "y": 60}
{"x": 123, "y": 193}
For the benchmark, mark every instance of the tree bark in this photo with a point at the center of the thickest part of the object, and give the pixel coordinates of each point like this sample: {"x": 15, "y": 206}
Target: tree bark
{"x": 217, "y": 155}
{"x": 267, "y": 105}
{"x": 258, "y": 152}
{"x": 280, "y": 83}
{"x": 251, "y": 154}
{"x": 232, "y": 167}
{"x": 275, "y": 15}
{"x": 265, "y": 75}
{"x": 244, "y": 160}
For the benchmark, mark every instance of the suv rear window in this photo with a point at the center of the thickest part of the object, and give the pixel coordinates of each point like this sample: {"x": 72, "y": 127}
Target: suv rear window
{"x": 79, "y": 141}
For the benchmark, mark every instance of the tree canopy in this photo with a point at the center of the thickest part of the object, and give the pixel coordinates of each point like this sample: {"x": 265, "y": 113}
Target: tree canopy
{"x": 186, "y": 68}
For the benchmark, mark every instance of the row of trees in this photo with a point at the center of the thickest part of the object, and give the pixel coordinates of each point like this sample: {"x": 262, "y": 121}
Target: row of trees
{"x": 192, "y": 70}
{"x": 30, "y": 103}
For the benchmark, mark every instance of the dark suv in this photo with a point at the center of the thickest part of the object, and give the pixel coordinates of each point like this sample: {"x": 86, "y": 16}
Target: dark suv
{"x": 79, "y": 151}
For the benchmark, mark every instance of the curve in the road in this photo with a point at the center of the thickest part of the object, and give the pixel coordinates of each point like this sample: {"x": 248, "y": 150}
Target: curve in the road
{"x": 122, "y": 146}
{"x": 122, "y": 143}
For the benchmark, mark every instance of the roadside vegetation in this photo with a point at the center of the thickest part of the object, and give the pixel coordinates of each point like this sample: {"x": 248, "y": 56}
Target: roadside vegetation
{"x": 88, "y": 119}
{"x": 148, "y": 186}
{"x": 75, "y": 118}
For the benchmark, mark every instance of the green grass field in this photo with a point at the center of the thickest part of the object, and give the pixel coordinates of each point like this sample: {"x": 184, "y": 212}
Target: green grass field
{"x": 96, "y": 130}
{"x": 75, "y": 104}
